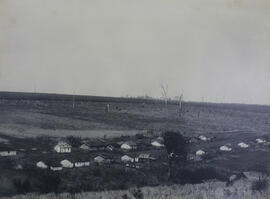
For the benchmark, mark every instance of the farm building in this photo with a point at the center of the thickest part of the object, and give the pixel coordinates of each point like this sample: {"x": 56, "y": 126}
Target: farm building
{"x": 41, "y": 165}
{"x": 82, "y": 164}
{"x": 7, "y": 151}
{"x": 84, "y": 147}
{"x": 67, "y": 164}
{"x": 225, "y": 148}
{"x": 62, "y": 147}
{"x": 99, "y": 159}
{"x": 127, "y": 158}
{"x": 200, "y": 152}
{"x": 129, "y": 146}
{"x": 157, "y": 143}
{"x": 145, "y": 157}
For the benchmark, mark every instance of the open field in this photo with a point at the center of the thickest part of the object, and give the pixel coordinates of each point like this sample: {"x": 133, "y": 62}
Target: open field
{"x": 35, "y": 123}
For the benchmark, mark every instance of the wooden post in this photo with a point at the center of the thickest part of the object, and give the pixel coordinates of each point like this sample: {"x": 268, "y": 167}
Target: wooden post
{"x": 73, "y": 101}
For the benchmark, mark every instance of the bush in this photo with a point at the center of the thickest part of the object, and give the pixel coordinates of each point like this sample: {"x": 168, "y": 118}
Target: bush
{"x": 74, "y": 141}
{"x": 176, "y": 145}
{"x": 260, "y": 185}
{"x": 21, "y": 187}
{"x": 49, "y": 183}
{"x": 137, "y": 193}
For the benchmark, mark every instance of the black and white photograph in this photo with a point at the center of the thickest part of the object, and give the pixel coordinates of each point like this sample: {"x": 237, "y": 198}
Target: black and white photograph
{"x": 134, "y": 99}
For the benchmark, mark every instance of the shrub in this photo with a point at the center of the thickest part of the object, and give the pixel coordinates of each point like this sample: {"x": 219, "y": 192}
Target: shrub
{"x": 74, "y": 141}
{"x": 176, "y": 144}
{"x": 49, "y": 183}
{"x": 137, "y": 193}
{"x": 260, "y": 185}
{"x": 21, "y": 187}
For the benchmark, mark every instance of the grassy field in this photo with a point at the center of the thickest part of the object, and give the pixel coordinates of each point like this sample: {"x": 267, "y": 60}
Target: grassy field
{"x": 23, "y": 120}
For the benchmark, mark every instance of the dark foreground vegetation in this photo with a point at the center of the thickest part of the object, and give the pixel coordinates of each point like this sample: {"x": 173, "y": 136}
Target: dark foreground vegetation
{"x": 170, "y": 167}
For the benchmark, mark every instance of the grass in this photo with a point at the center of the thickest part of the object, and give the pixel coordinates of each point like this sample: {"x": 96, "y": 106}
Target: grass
{"x": 227, "y": 123}
{"x": 242, "y": 189}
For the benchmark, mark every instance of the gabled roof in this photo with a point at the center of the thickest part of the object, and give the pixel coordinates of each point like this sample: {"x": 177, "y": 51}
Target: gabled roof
{"x": 63, "y": 144}
{"x": 84, "y": 146}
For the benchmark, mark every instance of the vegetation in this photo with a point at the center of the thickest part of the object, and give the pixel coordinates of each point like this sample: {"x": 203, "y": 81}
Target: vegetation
{"x": 176, "y": 146}
{"x": 206, "y": 190}
{"x": 74, "y": 141}
{"x": 42, "y": 115}
{"x": 21, "y": 187}
{"x": 260, "y": 185}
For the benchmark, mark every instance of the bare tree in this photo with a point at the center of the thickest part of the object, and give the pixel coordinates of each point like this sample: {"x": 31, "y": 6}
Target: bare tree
{"x": 180, "y": 104}
{"x": 164, "y": 92}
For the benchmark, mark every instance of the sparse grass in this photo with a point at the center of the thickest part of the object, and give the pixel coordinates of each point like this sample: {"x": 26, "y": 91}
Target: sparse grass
{"x": 208, "y": 190}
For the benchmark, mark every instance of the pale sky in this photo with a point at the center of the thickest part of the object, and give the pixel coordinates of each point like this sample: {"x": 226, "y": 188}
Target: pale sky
{"x": 218, "y": 50}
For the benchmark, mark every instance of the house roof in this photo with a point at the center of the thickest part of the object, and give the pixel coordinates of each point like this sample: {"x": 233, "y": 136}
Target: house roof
{"x": 125, "y": 156}
{"x": 99, "y": 158}
{"x": 63, "y": 144}
{"x": 158, "y": 140}
{"x": 84, "y": 146}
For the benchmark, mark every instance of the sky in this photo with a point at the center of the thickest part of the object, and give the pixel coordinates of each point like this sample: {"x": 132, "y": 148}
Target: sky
{"x": 215, "y": 50}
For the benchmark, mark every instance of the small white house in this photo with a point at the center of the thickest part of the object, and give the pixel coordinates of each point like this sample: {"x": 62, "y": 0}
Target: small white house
{"x": 157, "y": 143}
{"x": 128, "y": 146}
{"x": 99, "y": 159}
{"x": 243, "y": 145}
{"x": 145, "y": 157}
{"x": 225, "y": 148}
{"x": 203, "y": 138}
{"x": 79, "y": 164}
{"x": 260, "y": 141}
{"x": 41, "y": 165}
{"x": 127, "y": 158}
{"x": 82, "y": 164}
{"x": 84, "y": 147}
{"x": 200, "y": 152}
{"x": 62, "y": 147}
{"x": 7, "y": 151}
{"x": 67, "y": 164}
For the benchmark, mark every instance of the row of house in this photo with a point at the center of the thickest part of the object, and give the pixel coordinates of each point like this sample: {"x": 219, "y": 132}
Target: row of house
{"x": 141, "y": 158}
{"x": 100, "y": 159}
{"x": 57, "y": 166}
{"x": 63, "y": 147}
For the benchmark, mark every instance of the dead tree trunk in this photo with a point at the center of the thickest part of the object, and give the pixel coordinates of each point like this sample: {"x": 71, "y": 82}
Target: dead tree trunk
{"x": 164, "y": 93}
{"x": 180, "y": 105}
